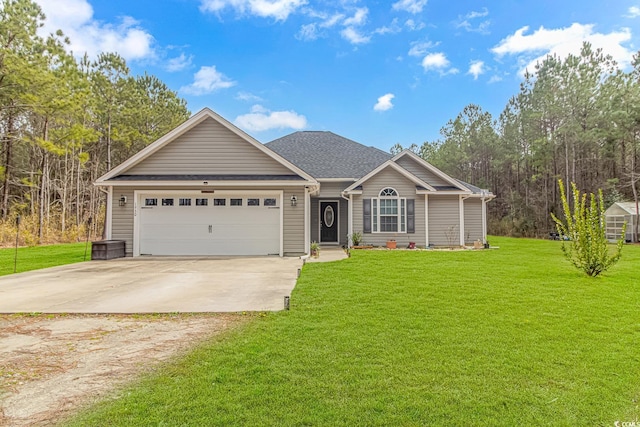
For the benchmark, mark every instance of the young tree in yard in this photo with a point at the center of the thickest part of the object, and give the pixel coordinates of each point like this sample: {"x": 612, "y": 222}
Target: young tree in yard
{"x": 587, "y": 248}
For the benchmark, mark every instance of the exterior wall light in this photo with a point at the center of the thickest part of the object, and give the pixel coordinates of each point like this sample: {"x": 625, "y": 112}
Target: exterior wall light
{"x": 294, "y": 200}
{"x": 122, "y": 201}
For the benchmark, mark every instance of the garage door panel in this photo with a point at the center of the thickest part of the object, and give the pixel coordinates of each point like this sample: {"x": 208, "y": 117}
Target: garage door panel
{"x": 210, "y": 230}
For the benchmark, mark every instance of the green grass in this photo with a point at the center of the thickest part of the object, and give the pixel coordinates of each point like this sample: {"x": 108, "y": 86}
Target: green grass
{"x": 513, "y": 336}
{"x": 37, "y": 257}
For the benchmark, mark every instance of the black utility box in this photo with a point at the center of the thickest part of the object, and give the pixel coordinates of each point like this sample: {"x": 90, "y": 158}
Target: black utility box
{"x": 107, "y": 249}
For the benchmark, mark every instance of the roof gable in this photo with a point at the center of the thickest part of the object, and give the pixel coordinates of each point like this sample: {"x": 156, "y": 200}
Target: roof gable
{"x": 427, "y": 171}
{"x": 206, "y": 144}
{"x": 393, "y": 165}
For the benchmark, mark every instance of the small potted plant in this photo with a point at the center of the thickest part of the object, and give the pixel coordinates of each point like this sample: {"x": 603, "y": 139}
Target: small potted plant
{"x": 356, "y": 238}
{"x": 315, "y": 249}
{"x": 391, "y": 244}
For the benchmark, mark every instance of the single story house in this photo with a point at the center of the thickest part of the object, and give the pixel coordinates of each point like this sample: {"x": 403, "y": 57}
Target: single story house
{"x": 208, "y": 188}
{"x": 616, "y": 216}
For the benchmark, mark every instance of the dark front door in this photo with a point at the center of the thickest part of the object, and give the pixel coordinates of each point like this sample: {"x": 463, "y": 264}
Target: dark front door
{"x": 329, "y": 222}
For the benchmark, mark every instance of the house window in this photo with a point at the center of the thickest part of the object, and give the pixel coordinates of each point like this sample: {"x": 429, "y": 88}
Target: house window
{"x": 167, "y": 202}
{"x": 389, "y": 212}
{"x": 219, "y": 202}
{"x": 202, "y": 202}
{"x": 253, "y": 202}
{"x": 184, "y": 202}
{"x": 151, "y": 202}
{"x": 269, "y": 202}
{"x": 236, "y": 202}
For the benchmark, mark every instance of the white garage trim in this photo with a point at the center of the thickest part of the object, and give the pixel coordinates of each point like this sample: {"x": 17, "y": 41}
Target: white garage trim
{"x": 139, "y": 195}
{"x": 109, "y": 219}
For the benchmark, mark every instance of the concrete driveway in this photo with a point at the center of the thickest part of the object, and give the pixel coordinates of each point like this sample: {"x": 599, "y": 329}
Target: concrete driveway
{"x": 153, "y": 285}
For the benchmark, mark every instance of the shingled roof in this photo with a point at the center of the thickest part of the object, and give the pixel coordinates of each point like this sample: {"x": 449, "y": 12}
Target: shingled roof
{"x": 327, "y": 155}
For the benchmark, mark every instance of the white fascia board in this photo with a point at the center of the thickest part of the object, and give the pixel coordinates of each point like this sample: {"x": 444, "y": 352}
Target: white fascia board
{"x": 430, "y": 167}
{"x": 155, "y": 146}
{"x": 189, "y": 124}
{"x": 392, "y": 164}
{"x": 337, "y": 179}
{"x": 446, "y": 193}
{"x": 204, "y": 186}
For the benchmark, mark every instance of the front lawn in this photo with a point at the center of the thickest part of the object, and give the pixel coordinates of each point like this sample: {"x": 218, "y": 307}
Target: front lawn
{"x": 37, "y": 257}
{"x": 513, "y": 336}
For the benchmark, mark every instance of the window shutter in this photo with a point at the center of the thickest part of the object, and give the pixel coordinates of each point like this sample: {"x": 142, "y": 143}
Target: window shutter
{"x": 366, "y": 215}
{"x": 411, "y": 216}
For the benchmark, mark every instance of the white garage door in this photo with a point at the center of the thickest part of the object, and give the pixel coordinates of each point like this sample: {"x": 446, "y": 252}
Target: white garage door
{"x": 173, "y": 224}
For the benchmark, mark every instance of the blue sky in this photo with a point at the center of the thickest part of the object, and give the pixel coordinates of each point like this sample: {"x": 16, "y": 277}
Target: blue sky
{"x": 378, "y": 72}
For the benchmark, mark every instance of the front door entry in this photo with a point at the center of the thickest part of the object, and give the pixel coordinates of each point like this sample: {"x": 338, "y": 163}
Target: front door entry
{"x": 328, "y": 222}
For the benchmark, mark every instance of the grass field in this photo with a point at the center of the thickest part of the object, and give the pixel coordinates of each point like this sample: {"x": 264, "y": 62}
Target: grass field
{"x": 505, "y": 337}
{"x": 37, "y": 257}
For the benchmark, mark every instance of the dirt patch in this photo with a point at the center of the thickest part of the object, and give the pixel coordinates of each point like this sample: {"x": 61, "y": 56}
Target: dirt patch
{"x": 52, "y": 364}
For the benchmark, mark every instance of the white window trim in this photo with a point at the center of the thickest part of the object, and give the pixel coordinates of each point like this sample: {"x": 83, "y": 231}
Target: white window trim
{"x": 375, "y": 225}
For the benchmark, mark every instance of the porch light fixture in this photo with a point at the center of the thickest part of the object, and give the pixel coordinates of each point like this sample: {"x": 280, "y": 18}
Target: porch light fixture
{"x": 122, "y": 201}
{"x": 294, "y": 200}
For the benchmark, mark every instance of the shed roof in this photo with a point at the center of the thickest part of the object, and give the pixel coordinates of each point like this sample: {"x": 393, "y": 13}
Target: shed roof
{"x": 628, "y": 207}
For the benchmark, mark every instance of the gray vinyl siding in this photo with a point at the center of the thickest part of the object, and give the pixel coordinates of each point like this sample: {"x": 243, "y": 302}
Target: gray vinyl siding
{"x": 472, "y": 220}
{"x": 122, "y": 218}
{"x": 294, "y": 223}
{"x": 293, "y": 216}
{"x": 371, "y": 188}
{"x": 444, "y": 212}
{"x": 421, "y": 172}
{"x": 333, "y": 189}
{"x": 343, "y": 219}
{"x": 209, "y": 148}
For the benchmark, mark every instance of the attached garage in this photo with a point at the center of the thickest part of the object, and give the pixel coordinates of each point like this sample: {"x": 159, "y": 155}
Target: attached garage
{"x": 223, "y": 223}
{"x": 208, "y": 189}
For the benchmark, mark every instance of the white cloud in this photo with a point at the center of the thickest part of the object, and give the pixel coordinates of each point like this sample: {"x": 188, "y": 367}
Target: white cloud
{"x": 207, "y": 80}
{"x": 465, "y": 22}
{"x": 421, "y": 48}
{"x": 308, "y": 32}
{"x": 476, "y": 68}
{"x": 533, "y": 48}
{"x": 75, "y": 19}
{"x": 411, "y": 6}
{"x": 261, "y": 119}
{"x": 435, "y": 61}
{"x": 179, "y": 63}
{"x": 247, "y": 96}
{"x": 277, "y": 9}
{"x": 359, "y": 17}
{"x": 332, "y": 20}
{"x": 413, "y": 25}
{"x": 384, "y": 102}
{"x": 634, "y": 12}
{"x": 393, "y": 28}
{"x": 354, "y": 36}
{"x": 438, "y": 62}
{"x": 495, "y": 79}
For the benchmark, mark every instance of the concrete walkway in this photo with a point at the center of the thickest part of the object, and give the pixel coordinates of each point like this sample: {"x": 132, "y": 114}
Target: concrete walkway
{"x": 328, "y": 254}
{"x": 153, "y": 285}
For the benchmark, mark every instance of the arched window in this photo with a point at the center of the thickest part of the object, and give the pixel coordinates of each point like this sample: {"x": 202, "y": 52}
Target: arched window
{"x": 389, "y": 212}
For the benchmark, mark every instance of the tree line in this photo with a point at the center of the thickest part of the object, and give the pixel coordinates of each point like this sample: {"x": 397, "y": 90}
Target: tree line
{"x": 575, "y": 119}
{"x": 63, "y": 123}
